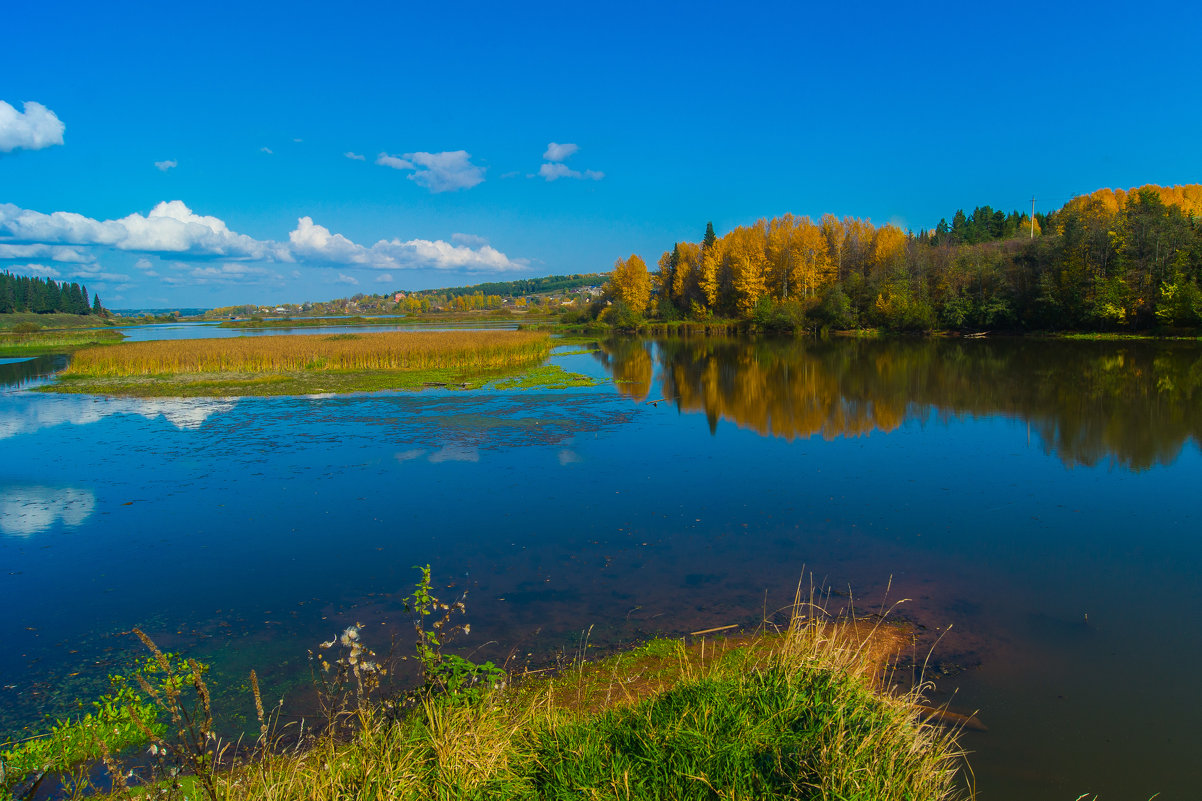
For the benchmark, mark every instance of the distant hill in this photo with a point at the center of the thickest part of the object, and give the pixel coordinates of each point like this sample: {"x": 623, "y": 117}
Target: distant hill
{"x": 522, "y": 286}
{"x": 182, "y": 312}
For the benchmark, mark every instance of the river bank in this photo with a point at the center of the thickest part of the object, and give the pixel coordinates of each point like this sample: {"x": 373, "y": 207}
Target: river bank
{"x": 807, "y": 712}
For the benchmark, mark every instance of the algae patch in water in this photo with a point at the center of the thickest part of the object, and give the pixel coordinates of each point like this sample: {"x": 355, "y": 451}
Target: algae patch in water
{"x": 549, "y": 376}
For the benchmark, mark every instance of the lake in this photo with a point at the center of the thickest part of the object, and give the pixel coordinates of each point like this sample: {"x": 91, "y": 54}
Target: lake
{"x": 1032, "y": 505}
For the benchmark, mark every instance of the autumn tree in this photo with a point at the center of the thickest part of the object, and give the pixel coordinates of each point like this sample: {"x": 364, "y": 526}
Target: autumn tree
{"x": 630, "y": 283}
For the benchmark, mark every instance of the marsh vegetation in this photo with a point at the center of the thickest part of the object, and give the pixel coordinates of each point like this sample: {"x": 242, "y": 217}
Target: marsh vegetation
{"x": 303, "y": 364}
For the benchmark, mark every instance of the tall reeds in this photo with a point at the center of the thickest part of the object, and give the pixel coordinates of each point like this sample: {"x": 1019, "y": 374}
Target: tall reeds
{"x": 469, "y": 350}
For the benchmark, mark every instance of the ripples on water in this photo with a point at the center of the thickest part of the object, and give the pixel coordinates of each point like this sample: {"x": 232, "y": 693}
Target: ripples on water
{"x": 1038, "y": 498}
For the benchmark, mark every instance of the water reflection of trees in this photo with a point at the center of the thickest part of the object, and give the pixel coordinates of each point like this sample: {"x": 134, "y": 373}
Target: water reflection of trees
{"x": 1137, "y": 402}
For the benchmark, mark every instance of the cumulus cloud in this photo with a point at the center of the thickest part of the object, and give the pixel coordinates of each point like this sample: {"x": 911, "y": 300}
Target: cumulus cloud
{"x": 172, "y": 230}
{"x": 384, "y": 278}
{"x": 448, "y": 171}
{"x": 34, "y": 128}
{"x": 315, "y": 243}
{"x": 553, "y": 172}
{"x": 558, "y": 152}
{"x": 170, "y": 227}
{"x": 343, "y": 278}
{"x": 354, "y": 156}
{"x": 163, "y": 166}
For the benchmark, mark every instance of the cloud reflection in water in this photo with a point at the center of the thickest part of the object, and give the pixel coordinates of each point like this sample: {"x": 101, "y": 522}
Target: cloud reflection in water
{"x": 29, "y": 510}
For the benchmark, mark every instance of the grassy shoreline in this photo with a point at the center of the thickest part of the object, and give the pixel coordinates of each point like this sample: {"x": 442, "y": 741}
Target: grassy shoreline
{"x": 805, "y": 713}
{"x": 42, "y": 343}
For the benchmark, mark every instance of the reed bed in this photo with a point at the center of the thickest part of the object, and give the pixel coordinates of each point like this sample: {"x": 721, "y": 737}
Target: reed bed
{"x": 393, "y": 350}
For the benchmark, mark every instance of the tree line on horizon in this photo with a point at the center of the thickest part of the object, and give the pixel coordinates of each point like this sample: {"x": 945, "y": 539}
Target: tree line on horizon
{"x": 1110, "y": 260}
{"x": 22, "y": 293}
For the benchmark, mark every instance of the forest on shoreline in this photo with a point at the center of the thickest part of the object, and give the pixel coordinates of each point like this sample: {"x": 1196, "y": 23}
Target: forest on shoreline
{"x": 1108, "y": 261}
{"x": 21, "y": 293}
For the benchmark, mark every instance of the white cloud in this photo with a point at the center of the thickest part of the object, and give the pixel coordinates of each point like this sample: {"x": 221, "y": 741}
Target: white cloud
{"x": 558, "y": 152}
{"x": 343, "y": 278}
{"x": 59, "y": 253}
{"x": 315, "y": 243}
{"x": 384, "y": 278}
{"x": 35, "y": 128}
{"x": 166, "y": 165}
{"x": 439, "y": 172}
{"x": 267, "y": 150}
{"x": 553, "y": 167}
{"x": 354, "y": 156}
{"x": 36, "y": 269}
{"x": 172, "y": 230}
{"x": 554, "y": 172}
{"x": 170, "y": 227}
{"x": 385, "y": 160}
{"x": 469, "y": 240}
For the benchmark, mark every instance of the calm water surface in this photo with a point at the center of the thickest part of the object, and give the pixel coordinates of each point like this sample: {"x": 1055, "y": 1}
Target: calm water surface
{"x": 1035, "y": 503}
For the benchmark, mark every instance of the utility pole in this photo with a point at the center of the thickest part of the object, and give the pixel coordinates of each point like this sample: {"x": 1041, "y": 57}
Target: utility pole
{"x": 1032, "y": 216}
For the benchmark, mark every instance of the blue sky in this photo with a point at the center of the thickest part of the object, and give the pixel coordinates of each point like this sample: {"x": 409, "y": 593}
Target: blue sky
{"x": 198, "y": 155}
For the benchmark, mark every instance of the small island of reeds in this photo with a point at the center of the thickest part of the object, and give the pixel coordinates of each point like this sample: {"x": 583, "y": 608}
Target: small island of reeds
{"x": 303, "y": 364}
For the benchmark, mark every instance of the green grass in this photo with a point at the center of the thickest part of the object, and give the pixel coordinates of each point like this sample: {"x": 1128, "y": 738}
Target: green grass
{"x": 52, "y": 321}
{"x": 761, "y": 735}
{"x": 796, "y": 715}
{"x": 43, "y": 342}
{"x": 213, "y": 385}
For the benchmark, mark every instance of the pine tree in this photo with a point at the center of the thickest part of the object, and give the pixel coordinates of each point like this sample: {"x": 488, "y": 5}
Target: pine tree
{"x": 710, "y": 238}
{"x": 96, "y": 307}
{"x": 7, "y": 305}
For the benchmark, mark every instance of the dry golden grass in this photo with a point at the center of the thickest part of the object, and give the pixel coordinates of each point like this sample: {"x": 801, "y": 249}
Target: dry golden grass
{"x": 872, "y": 746}
{"x": 394, "y": 350}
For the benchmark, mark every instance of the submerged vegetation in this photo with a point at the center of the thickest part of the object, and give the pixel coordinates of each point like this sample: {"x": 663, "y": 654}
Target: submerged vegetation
{"x": 548, "y": 376}
{"x": 302, "y": 364}
{"x": 800, "y": 714}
